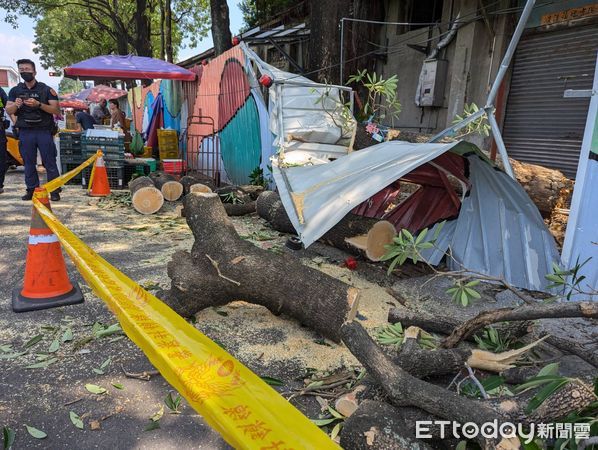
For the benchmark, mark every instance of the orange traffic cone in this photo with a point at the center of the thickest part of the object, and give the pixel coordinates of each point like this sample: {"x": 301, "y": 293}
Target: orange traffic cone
{"x": 46, "y": 283}
{"x": 99, "y": 184}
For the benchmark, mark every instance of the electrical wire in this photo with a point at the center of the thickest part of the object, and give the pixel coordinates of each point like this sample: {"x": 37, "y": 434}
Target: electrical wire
{"x": 398, "y": 46}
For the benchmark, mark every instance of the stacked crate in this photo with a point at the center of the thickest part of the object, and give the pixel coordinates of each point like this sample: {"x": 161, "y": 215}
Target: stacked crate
{"x": 71, "y": 155}
{"x": 114, "y": 158}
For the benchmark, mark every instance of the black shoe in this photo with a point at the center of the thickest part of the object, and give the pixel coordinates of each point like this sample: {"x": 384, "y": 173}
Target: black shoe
{"x": 27, "y": 196}
{"x": 55, "y": 196}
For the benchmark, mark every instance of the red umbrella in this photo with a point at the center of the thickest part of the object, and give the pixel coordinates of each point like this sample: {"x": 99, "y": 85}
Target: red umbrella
{"x": 75, "y": 104}
{"x": 99, "y": 92}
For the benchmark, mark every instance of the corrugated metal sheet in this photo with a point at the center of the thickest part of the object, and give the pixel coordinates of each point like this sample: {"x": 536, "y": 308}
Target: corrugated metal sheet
{"x": 540, "y": 125}
{"x": 581, "y": 238}
{"x": 500, "y": 231}
{"x": 317, "y": 197}
{"x": 240, "y": 143}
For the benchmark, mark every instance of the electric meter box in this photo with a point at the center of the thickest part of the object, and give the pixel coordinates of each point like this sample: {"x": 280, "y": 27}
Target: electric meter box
{"x": 433, "y": 82}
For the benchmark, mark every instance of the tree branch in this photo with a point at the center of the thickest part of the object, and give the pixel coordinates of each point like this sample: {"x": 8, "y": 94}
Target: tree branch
{"x": 528, "y": 312}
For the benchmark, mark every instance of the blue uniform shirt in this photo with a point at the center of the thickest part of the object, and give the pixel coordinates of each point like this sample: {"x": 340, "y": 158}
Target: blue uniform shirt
{"x": 28, "y": 117}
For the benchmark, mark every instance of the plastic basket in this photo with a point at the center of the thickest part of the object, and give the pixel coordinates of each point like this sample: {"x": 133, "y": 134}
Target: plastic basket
{"x": 70, "y": 143}
{"x": 68, "y": 166}
{"x": 168, "y": 144}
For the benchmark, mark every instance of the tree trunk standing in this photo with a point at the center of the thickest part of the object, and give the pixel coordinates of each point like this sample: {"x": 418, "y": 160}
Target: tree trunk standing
{"x": 220, "y": 26}
{"x": 168, "y": 32}
{"x": 360, "y": 37}
{"x": 324, "y": 38}
{"x": 162, "y": 31}
{"x": 142, "y": 40}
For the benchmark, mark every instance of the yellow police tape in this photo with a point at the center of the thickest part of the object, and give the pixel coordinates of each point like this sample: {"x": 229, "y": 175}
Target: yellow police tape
{"x": 64, "y": 178}
{"x": 234, "y": 401}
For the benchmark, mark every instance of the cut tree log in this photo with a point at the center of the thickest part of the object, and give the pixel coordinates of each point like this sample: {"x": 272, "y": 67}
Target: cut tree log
{"x": 375, "y": 241}
{"x": 199, "y": 187}
{"x": 378, "y": 426}
{"x": 239, "y": 209}
{"x": 271, "y": 209}
{"x": 213, "y": 275}
{"x": 189, "y": 180}
{"x": 146, "y": 199}
{"x": 170, "y": 188}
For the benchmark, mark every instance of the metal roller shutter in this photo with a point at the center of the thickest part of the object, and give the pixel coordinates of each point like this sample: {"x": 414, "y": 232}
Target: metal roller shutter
{"x": 541, "y": 126}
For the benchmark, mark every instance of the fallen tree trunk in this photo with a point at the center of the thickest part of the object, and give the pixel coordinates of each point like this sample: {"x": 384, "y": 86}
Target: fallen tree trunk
{"x": 222, "y": 268}
{"x": 271, "y": 209}
{"x": 404, "y": 389}
{"x": 378, "y": 426}
{"x": 146, "y": 199}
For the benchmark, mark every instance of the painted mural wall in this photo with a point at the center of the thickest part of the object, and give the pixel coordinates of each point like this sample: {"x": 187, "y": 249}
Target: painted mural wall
{"x": 225, "y": 107}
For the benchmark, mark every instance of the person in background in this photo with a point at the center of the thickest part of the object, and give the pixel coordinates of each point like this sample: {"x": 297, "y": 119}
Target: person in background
{"x": 100, "y": 112}
{"x": 85, "y": 121}
{"x": 117, "y": 117}
{"x": 35, "y": 104}
{"x": 3, "y": 126}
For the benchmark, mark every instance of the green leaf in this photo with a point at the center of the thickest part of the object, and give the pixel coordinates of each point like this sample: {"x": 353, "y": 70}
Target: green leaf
{"x": 472, "y": 293}
{"x": 9, "y": 438}
{"x": 272, "y": 381}
{"x": 98, "y": 371}
{"x": 54, "y": 346}
{"x": 42, "y": 365}
{"x": 335, "y": 413}
{"x": 549, "y": 369}
{"x": 544, "y": 393}
{"x": 12, "y": 355}
{"x": 5, "y": 348}
{"x": 152, "y": 426}
{"x": 95, "y": 389}
{"x": 492, "y": 382}
{"x": 336, "y": 430}
{"x": 322, "y": 422}
{"x": 473, "y": 283}
{"x": 37, "y": 434}
{"x": 34, "y": 340}
{"x": 118, "y": 386}
{"x": 68, "y": 335}
{"x": 76, "y": 420}
{"x": 173, "y": 403}
{"x": 421, "y": 236}
{"x": 106, "y": 363}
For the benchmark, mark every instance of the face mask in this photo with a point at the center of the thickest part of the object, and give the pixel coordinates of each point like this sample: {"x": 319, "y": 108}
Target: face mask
{"x": 27, "y": 76}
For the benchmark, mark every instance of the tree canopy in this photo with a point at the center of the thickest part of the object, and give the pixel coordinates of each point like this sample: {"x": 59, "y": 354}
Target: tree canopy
{"x": 68, "y": 31}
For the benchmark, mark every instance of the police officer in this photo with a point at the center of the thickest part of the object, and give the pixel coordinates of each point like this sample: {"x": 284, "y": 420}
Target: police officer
{"x": 3, "y": 126}
{"x": 35, "y": 104}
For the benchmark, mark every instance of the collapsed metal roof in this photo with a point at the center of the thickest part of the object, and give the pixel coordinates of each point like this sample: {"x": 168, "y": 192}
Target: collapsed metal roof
{"x": 498, "y": 232}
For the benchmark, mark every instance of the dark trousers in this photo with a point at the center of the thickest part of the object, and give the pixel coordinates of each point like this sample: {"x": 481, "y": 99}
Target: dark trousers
{"x": 31, "y": 140}
{"x": 2, "y": 157}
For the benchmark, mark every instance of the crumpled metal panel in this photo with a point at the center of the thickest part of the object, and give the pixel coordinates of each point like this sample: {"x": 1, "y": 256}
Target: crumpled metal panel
{"x": 317, "y": 197}
{"x": 500, "y": 232}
